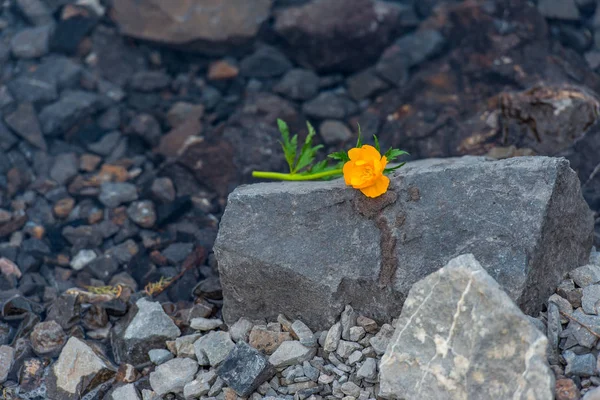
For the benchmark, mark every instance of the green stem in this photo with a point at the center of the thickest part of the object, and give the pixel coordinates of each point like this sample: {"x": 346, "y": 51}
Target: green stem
{"x": 295, "y": 177}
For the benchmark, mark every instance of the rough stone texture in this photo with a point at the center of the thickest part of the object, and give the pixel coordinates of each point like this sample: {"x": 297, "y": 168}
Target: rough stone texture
{"x": 7, "y": 358}
{"x": 131, "y": 339}
{"x": 290, "y": 353}
{"x": 452, "y": 342}
{"x": 244, "y": 369}
{"x": 203, "y": 25}
{"x": 126, "y": 392}
{"x": 173, "y": 375}
{"x": 333, "y": 34}
{"x": 78, "y": 369}
{"x": 215, "y": 346}
{"x": 524, "y": 218}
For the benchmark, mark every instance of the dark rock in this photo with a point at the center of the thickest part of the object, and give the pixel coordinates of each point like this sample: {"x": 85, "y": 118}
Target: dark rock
{"x": 163, "y": 190}
{"x": 329, "y": 105}
{"x": 79, "y": 369}
{"x": 142, "y": 213}
{"x": 146, "y": 327}
{"x": 83, "y": 237}
{"x": 559, "y": 9}
{"x": 6, "y": 98}
{"x": 107, "y": 144}
{"x": 69, "y": 32}
{"x": 209, "y": 288}
{"x": 177, "y": 252}
{"x": 117, "y": 193}
{"x": 149, "y": 81}
{"x": 146, "y": 127}
{"x": 65, "y": 311}
{"x": 364, "y": 84}
{"x": 332, "y": 35}
{"x": 298, "y": 84}
{"x": 66, "y": 166}
{"x": 32, "y": 42}
{"x": 464, "y": 308}
{"x": 103, "y": 267}
{"x": 32, "y": 89}
{"x": 245, "y": 369}
{"x": 409, "y": 51}
{"x": 266, "y": 62}
{"x": 48, "y": 339}
{"x": 578, "y": 39}
{"x": 7, "y": 139}
{"x": 35, "y": 11}
{"x": 397, "y": 263}
{"x": 72, "y": 106}
{"x": 24, "y": 122}
{"x": 206, "y": 26}
{"x": 579, "y": 365}
{"x": 217, "y": 170}
{"x": 334, "y": 132}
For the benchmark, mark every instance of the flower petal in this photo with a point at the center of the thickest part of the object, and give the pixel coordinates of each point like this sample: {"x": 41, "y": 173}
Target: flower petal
{"x": 378, "y": 188}
{"x": 348, "y": 171}
{"x": 370, "y": 152}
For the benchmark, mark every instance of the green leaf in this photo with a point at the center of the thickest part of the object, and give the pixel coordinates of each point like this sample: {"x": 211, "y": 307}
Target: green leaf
{"x": 340, "y": 156}
{"x": 321, "y": 166}
{"x": 376, "y": 143}
{"x": 307, "y": 154}
{"x": 359, "y": 141}
{"x": 289, "y": 146}
{"x": 392, "y": 154}
{"x": 388, "y": 170}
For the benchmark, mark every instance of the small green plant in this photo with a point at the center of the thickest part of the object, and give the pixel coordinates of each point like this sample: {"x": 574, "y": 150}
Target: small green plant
{"x": 363, "y": 166}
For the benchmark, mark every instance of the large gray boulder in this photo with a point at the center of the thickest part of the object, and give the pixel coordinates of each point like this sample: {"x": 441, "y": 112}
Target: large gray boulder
{"x": 461, "y": 337}
{"x": 309, "y": 248}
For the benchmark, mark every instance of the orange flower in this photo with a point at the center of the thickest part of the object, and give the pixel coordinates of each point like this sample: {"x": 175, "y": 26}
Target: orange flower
{"x": 365, "y": 169}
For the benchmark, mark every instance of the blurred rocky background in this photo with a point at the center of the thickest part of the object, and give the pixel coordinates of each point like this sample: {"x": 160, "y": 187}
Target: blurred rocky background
{"x": 126, "y": 123}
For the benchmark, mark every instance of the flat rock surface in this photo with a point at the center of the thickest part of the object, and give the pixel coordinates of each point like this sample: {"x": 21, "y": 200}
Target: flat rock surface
{"x": 523, "y": 218}
{"x": 452, "y": 341}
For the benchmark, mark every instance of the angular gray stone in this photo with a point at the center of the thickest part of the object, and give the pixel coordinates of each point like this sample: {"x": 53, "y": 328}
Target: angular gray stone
{"x": 368, "y": 370}
{"x": 215, "y": 346}
{"x": 528, "y": 232}
{"x": 452, "y": 342}
{"x": 581, "y": 334}
{"x": 380, "y": 341}
{"x": 184, "y": 345}
{"x": 79, "y": 368}
{"x": 586, "y": 275}
{"x": 304, "y": 334}
{"x": 590, "y": 302}
{"x": 73, "y": 105}
{"x": 113, "y": 194}
{"x": 553, "y": 331}
{"x": 173, "y": 375}
{"x": 291, "y": 353}
{"x": 333, "y": 337}
{"x": 205, "y": 324}
{"x": 126, "y": 392}
{"x": 581, "y": 365}
{"x": 348, "y": 320}
{"x": 240, "y": 330}
{"x": 160, "y": 356}
{"x": 345, "y": 348}
{"x": 31, "y": 42}
{"x": 245, "y": 369}
{"x": 199, "y": 386}
{"x": 7, "y": 358}
{"x": 146, "y": 326}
